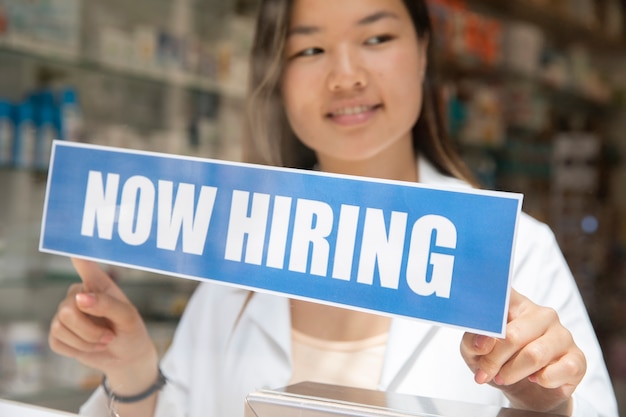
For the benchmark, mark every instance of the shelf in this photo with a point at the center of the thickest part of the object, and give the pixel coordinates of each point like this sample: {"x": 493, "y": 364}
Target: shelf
{"x": 62, "y": 279}
{"x": 563, "y": 29}
{"x": 68, "y": 57}
{"x": 565, "y": 98}
{"x": 40, "y": 50}
{"x": 171, "y": 78}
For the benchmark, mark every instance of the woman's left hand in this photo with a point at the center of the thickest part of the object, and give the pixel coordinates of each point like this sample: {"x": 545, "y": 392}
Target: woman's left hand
{"x": 537, "y": 366}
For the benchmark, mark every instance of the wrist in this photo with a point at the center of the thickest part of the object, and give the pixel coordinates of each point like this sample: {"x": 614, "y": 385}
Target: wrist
{"x": 135, "y": 378}
{"x": 155, "y": 387}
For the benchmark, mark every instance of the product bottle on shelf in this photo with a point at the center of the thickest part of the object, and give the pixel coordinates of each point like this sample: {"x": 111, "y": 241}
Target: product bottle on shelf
{"x": 24, "y": 357}
{"x": 24, "y": 135}
{"x": 46, "y": 133}
{"x": 6, "y": 134}
{"x": 71, "y": 121}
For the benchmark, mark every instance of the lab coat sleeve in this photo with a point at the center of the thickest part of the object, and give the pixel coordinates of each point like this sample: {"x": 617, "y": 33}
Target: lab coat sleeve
{"x": 542, "y": 274}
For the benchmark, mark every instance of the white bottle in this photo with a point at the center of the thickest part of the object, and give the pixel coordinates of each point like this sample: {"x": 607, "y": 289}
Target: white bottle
{"x": 46, "y": 134}
{"x": 71, "y": 123}
{"x": 24, "y": 347}
{"x": 24, "y": 140}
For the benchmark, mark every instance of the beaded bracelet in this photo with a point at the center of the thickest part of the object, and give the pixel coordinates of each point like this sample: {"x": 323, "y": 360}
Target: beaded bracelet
{"x": 158, "y": 384}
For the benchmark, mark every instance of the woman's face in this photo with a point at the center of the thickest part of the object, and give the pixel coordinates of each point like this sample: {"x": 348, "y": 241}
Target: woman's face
{"x": 352, "y": 82}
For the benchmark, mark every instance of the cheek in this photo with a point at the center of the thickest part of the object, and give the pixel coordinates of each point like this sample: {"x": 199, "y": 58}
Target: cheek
{"x": 299, "y": 100}
{"x": 290, "y": 96}
{"x": 403, "y": 77}
{"x": 292, "y": 88}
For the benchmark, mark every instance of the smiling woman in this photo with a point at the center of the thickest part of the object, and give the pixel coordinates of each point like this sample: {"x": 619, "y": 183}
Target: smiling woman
{"x": 384, "y": 45}
{"x": 343, "y": 86}
{"x": 364, "y": 67}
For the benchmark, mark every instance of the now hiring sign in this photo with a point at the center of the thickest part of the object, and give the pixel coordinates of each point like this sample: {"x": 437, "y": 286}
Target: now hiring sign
{"x": 394, "y": 248}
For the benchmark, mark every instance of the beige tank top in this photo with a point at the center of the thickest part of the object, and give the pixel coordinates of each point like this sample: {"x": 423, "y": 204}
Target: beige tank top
{"x": 354, "y": 363}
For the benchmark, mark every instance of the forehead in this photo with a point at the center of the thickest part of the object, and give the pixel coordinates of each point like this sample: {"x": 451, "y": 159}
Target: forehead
{"x": 335, "y": 13}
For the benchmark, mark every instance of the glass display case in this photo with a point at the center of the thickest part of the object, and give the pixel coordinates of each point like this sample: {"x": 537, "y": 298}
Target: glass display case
{"x": 309, "y": 399}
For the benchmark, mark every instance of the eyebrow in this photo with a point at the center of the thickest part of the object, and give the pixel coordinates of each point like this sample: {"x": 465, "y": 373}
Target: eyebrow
{"x": 367, "y": 20}
{"x": 375, "y": 17}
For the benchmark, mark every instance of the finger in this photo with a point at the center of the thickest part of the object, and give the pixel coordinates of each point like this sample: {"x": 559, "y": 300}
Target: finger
{"x": 519, "y": 333}
{"x": 473, "y": 346}
{"x": 95, "y": 279}
{"x": 566, "y": 372}
{"x": 83, "y": 327}
{"x": 535, "y": 356}
{"x": 122, "y": 315}
{"x": 482, "y": 345}
{"x": 60, "y": 348}
{"x": 91, "y": 359}
{"x": 62, "y": 336}
{"x": 74, "y": 289}
{"x": 517, "y": 304}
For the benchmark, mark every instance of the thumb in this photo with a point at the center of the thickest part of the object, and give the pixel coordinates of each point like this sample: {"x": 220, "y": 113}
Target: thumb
{"x": 95, "y": 279}
{"x": 517, "y": 304}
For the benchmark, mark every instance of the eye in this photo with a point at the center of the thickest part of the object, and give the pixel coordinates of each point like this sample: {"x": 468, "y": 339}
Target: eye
{"x": 308, "y": 52}
{"x": 376, "y": 40}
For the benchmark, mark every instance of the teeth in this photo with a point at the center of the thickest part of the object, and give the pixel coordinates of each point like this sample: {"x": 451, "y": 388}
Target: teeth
{"x": 349, "y": 111}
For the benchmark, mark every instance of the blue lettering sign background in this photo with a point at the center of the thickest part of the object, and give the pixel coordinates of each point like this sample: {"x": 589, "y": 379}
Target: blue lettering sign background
{"x": 396, "y": 248}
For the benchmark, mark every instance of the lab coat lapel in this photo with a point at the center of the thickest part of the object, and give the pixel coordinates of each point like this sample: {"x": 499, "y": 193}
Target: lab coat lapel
{"x": 407, "y": 338}
{"x": 257, "y": 353}
{"x": 428, "y": 175}
{"x": 271, "y": 313}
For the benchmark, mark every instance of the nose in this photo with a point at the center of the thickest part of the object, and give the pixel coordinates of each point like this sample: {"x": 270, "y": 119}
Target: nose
{"x": 347, "y": 72}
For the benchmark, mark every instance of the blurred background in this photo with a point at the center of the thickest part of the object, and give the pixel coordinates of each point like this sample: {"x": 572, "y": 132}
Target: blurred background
{"x": 533, "y": 92}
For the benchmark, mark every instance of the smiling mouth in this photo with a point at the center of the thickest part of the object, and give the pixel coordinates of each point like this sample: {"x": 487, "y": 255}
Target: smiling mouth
{"x": 352, "y": 111}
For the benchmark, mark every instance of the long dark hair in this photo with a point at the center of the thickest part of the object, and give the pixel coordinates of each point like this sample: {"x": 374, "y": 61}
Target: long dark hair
{"x": 269, "y": 138}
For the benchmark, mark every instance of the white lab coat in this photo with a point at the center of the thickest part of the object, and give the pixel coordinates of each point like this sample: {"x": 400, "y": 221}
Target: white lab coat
{"x": 213, "y": 364}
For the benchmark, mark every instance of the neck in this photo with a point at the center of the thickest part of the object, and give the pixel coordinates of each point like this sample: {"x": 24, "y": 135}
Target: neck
{"x": 334, "y": 323}
{"x": 395, "y": 164}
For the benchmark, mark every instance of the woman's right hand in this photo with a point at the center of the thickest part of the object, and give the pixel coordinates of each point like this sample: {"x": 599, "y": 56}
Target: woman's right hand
{"x": 98, "y": 325}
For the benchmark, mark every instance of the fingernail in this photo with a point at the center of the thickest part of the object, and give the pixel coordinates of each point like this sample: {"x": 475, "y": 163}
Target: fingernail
{"x": 498, "y": 380}
{"x": 533, "y": 379}
{"x": 85, "y": 299}
{"x": 481, "y": 377}
{"x": 479, "y": 341}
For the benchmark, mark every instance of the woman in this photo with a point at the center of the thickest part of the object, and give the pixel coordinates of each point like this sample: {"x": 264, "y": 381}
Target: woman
{"x": 341, "y": 86}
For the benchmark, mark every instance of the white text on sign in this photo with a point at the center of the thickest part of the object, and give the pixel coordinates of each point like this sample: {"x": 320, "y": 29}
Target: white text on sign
{"x": 307, "y": 224}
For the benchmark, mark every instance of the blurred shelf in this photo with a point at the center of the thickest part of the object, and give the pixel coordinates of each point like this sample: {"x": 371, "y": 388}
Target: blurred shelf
{"x": 564, "y": 97}
{"x": 561, "y": 27}
{"x": 51, "y": 279}
{"x": 65, "y": 57}
{"x": 41, "y": 50}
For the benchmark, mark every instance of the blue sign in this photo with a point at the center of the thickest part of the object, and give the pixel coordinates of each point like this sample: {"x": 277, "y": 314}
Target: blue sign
{"x": 395, "y": 248}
